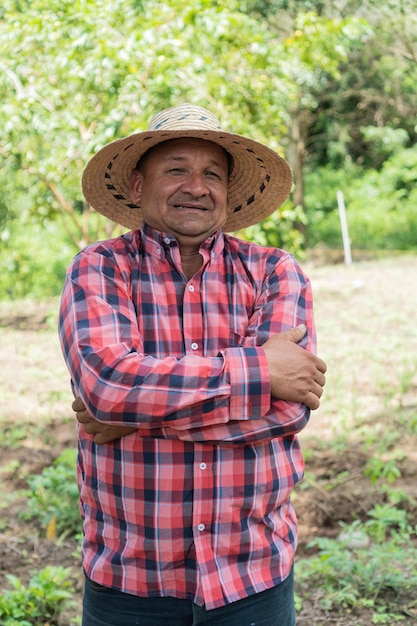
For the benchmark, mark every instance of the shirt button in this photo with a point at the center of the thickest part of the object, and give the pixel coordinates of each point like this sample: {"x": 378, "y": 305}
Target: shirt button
{"x": 190, "y": 287}
{"x": 167, "y": 240}
{"x": 194, "y": 346}
{"x": 203, "y": 466}
{"x": 158, "y": 251}
{"x": 201, "y": 527}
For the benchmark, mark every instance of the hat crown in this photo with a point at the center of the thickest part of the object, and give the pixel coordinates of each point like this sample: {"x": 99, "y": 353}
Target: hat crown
{"x": 184, "y": 117}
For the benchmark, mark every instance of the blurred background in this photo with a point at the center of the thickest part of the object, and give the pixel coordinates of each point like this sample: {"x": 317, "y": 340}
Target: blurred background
{"x": 330, "y": 85}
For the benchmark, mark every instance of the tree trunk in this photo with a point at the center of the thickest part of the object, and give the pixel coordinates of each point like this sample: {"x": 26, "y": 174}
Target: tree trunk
{"x": 297, "y": 149}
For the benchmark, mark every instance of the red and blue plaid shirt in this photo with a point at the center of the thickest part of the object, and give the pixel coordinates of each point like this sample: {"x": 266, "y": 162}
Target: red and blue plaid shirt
{"x": 196, "y": 504}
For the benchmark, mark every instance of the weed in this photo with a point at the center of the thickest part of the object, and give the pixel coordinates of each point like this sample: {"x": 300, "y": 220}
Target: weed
{"x": 364, "y": 577}
{"x": 14, "y": 435}
{"x": 47, "y": 595}
{"x": 53, "y": 497}
{"x": 10, "y": 467}
{"x": 384, "y": 467}
{"x": 387, "y": 520}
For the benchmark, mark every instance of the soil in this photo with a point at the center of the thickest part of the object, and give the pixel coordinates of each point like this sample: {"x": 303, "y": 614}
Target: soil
{"x": 37, "y": 425}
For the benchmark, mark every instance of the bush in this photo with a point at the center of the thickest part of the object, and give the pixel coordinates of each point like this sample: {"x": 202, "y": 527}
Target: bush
{"x": 278, "y": 230}
{"x": 380, "y": 205}
{"x": 33, "y": 260}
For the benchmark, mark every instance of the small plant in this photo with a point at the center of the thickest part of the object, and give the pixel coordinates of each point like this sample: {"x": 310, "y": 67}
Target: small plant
{"x": 53, "y": 497}
{"x": 384, "y": 467}
{"x": 364, "y": 577}
{"x": 387, "y": 520}
{"x": 13, "y": 435}
{"x": 47, "y": 595}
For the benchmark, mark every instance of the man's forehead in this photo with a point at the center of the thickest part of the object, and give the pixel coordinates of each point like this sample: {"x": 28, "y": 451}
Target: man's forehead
{"x": 184, "y": 148}
{"x": 180, "y": 148}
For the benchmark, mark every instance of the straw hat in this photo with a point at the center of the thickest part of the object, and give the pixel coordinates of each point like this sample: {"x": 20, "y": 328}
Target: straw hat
{"x": 260, "y": 181}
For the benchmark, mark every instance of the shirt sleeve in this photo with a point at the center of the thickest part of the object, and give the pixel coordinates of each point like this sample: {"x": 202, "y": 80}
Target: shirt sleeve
{"x": 119, "y": 384}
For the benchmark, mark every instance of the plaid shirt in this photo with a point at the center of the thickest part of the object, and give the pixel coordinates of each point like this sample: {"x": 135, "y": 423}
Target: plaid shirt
{"x": 196, "y": 504}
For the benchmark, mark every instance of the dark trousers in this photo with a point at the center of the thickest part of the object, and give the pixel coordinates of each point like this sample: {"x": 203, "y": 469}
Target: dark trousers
{"x": 106, "y": 607}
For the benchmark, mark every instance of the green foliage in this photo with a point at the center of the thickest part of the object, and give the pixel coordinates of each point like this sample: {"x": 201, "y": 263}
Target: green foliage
{"x": 380, "y": 206}
{"x": 363, "y": 577}
{"x": 381, "y": 468}
{"x": 13, "y": 435}
{"x": 33, "y": 260}
{"x": 314, "y": 78}
{"x": 278, "y": 230}
{"x": 387, "y": 520}
{"x": 375, "y": 90}
{"x": 47, "y": 595}
{"x": 53, "y": 497}
{"x": 76, "y": 75}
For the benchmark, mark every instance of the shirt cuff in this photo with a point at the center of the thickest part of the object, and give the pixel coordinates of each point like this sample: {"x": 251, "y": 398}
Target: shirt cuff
{"x": 250, "y": 386}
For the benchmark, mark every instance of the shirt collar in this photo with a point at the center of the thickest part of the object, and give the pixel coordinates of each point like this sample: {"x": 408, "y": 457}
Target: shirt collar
{"x": 157, "y": 243}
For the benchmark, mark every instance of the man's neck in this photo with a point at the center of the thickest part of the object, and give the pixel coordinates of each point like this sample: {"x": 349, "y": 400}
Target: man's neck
{"x": 191, "y": 262}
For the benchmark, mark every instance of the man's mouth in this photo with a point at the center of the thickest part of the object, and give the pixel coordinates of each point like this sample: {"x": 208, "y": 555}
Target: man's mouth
{"x": 192, "y": 207}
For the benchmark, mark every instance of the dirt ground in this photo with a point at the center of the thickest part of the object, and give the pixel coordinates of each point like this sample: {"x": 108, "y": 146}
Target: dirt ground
{"x": 37, "y": 422}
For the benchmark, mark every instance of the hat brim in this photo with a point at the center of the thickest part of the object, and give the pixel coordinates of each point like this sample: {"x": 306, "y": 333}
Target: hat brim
{"x": 260, "y": 182}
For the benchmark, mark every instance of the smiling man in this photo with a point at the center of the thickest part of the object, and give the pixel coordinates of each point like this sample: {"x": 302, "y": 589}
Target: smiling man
{"x": 191, "y": 355}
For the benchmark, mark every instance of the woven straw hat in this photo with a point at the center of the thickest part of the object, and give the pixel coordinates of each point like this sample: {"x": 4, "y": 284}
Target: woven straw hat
{"x": 260, "y": 181}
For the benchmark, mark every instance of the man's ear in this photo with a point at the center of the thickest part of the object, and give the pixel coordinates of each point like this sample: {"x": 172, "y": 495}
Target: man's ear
{"x": 136, "y": 180}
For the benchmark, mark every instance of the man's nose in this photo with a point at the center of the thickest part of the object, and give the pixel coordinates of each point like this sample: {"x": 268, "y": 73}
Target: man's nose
{"x": 195, "y": 184}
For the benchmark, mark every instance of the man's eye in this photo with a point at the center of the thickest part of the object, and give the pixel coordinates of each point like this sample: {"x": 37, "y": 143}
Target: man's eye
{"x": 213, "y": 175}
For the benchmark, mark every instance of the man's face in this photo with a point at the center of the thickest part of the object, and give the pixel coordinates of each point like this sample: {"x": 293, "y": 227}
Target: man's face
{"x": 182, "y": 189}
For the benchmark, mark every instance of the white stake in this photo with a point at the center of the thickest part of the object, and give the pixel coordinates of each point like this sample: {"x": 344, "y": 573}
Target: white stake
{"x": 344, "y": 227}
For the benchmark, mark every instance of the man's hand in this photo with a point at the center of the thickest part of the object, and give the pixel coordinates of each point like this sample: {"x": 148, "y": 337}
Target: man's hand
{"x": 103, "y": 433}
{"x": 296, "y": 374}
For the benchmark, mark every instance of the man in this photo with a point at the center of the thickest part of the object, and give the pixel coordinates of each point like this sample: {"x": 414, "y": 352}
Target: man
{"x": 191, "y": 359}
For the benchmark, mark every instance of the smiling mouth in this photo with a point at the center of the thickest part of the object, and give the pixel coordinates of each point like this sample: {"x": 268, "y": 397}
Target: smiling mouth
{"x": 190, "y": 207}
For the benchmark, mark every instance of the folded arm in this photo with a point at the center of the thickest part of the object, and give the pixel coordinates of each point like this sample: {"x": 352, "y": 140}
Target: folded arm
{"x": 262, "y": 388}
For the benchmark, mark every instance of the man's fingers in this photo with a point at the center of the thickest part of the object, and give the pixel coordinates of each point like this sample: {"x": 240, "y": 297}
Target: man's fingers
{"x": 78, "y": 405}
{"x": 313, "y": 398}
{"x": 294, "y": 334}
{"x": 111, "y": 433}
{"x": 317, "y": 390}
{"x": 103, "y": 433}
{"x": 92, "y": 427}
{"x": 321, "y": 365}
{"x": 313, "y": 402}
{"x": 80, "y": 410}
{"x": 83, "y": 417}
{"x": 99, "y": 439}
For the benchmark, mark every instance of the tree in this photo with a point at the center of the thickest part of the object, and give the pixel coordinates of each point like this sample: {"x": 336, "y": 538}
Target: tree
{"x": 317, "y": 49}
{"x": 77, "y": 75}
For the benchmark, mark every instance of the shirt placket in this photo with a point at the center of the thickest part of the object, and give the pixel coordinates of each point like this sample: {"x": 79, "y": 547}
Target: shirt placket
{"x": 209, "y": 588}
{"x": 208, "y": 585}
{"x": 193, "y": 319}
